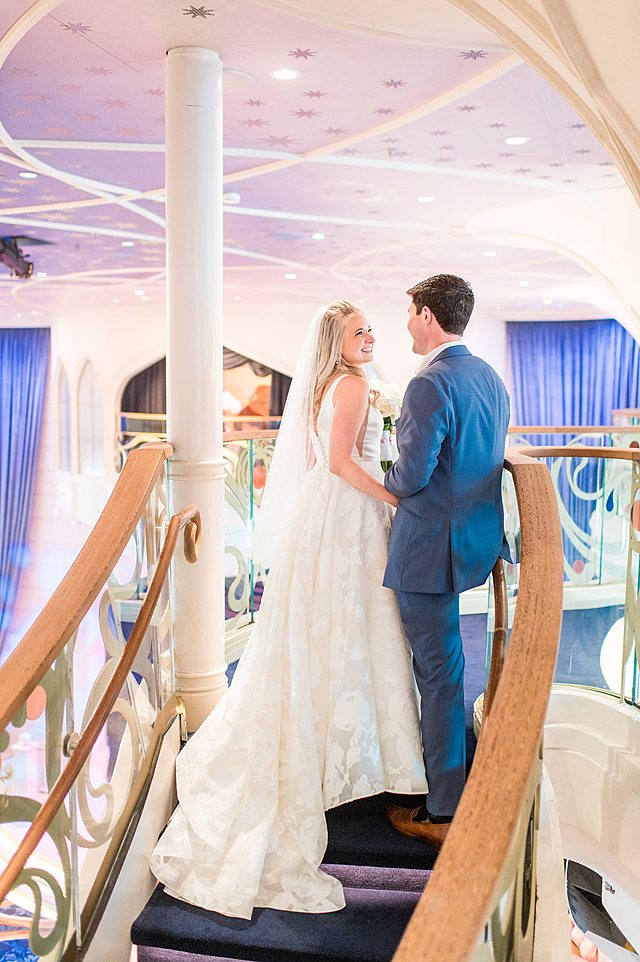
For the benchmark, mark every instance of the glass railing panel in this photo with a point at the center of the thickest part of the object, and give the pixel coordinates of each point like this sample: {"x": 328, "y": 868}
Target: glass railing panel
{"x": 594, "y": 498}
{"x": 247, "y": 463}
{"x": 36, "y": 747}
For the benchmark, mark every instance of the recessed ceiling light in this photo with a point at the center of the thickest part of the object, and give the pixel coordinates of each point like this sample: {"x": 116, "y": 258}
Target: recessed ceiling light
{"x": 145, "y": 297}
{"x": 317, "y": 235}
{"x": 126, "y": 243}
{"x": 547, "y": 300}
{"x": 523, "y": 283}
{"x": 290, "y": 277}
{"x": 426, "y": 200}
{"x": 231, "y": 197}
{"x": 284, "y": 73}
{"x": 516, "y": 141}
{"x": 28, "y": 174}
{"x": 116, "y": 300}
{"x": 489, "y": 253}
{"x": 237, "y": 297}
{"x": 139, "y": 292}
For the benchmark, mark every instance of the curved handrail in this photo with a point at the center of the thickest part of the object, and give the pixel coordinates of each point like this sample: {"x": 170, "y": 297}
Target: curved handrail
{"x": 188, "y": 518}
{"x": 574, "y": 429}
{"x": 258, "y": 435}
{"x": 500, "y": 632}
{"x": 478, "y": 843}
{"x": 580, "y": 451}
{"x": 79, "y": 588}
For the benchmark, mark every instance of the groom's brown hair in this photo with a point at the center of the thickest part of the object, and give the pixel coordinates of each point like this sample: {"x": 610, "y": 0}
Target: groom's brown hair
{"x": 448, "y": 297}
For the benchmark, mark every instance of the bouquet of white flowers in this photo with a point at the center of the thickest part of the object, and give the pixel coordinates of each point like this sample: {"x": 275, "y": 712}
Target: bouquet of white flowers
{"x": 386, "y": 398}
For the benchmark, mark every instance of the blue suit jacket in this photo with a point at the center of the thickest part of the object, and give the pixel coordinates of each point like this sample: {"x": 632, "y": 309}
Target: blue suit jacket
{"x": 448, "y": 530}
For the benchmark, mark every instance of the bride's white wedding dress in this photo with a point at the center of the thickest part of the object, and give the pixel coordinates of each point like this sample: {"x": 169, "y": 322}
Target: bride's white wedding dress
{"x": 321, "y": 711}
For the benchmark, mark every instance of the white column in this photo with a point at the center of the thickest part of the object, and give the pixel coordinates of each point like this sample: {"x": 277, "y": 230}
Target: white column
{"x": 194, "y": 364}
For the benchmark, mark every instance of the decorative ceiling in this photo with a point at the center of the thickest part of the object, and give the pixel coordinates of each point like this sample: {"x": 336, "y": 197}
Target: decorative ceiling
{"x": 386, "y": 148}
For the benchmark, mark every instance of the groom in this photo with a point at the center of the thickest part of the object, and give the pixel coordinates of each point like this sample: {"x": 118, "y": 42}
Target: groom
{"x": 448, "y": 529}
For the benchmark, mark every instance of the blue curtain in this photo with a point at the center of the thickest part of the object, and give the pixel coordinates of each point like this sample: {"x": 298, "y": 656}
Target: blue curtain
{"x": 572, "y": 372}
{"x": 24, "y": 359}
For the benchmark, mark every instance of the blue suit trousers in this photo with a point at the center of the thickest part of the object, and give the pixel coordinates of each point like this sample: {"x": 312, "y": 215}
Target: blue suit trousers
{"x": 432, "y": 625}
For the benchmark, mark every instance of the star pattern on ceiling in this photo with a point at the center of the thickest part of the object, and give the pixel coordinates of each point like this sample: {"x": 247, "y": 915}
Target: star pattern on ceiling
{"x": 34, "y": 96}
{"x": 467, "y": 145}
{"x": 197, "y": 12}
{"x": 273, "y": 141}
{"x": 134, "y": 132}
{"x": 77, "y": 28}
{"x": 114, "y": 103}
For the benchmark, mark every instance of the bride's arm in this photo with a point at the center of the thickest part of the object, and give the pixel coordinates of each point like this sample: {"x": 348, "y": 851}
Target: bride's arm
{"x": 351, "y": 402}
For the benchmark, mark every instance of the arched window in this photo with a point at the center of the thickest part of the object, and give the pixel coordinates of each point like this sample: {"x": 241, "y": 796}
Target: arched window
{"x": 90, "y": 423}
{"x": 64, "y": 421}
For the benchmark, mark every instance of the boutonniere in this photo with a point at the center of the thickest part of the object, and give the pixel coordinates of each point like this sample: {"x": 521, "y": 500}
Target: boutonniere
{"x": 386, "y": 398}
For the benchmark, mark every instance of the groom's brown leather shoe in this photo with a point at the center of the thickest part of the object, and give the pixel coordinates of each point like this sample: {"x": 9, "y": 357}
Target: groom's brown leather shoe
{"x": 404, "y": 820}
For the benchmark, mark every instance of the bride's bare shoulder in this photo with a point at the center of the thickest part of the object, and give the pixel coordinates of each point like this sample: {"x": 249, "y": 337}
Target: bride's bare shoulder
{"x": 351, "y": 390}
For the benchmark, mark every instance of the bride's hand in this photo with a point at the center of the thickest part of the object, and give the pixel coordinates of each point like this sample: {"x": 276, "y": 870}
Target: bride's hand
{"x": 392, "y": 500}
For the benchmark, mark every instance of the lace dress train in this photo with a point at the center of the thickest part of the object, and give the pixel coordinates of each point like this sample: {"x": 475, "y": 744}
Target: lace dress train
{"x": 321, "y": 711}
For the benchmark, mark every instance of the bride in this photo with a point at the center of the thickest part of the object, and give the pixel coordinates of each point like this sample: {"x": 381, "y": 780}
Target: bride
{"x": 322, "y": 707}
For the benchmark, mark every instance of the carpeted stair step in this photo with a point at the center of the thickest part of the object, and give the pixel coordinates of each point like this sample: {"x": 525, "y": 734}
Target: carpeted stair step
{"x": 379, "y": 900}
{"x": 360, "y": 834}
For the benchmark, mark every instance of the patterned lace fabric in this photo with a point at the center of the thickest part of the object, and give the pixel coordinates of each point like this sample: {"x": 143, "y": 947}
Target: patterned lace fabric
{"x": 321, "y": 711}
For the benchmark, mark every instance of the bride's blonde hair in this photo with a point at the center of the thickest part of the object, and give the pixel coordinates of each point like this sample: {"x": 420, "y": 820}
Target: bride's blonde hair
{"x": 329, "y": 360}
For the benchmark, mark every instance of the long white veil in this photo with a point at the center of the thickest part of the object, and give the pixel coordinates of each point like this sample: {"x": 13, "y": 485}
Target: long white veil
{"x": 293, "y": 456}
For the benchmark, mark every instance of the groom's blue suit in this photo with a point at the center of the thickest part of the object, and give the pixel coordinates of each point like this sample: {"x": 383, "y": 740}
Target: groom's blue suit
{"x": 446, "y": 536}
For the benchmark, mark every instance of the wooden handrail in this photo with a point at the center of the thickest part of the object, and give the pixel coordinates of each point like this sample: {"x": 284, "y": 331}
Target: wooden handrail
{"x": 579, "y": 451}
{"x": 77, "y": 591}
{"x": 477, "y": 845}
{"x": 249, "y": 435}
{"x": 189, "y": 516}
{"x": 574, "y": 429}
{"x": 500, "y": 632}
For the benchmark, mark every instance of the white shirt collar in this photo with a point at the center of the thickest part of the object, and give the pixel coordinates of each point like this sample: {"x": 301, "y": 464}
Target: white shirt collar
{"x": 432, "y": 355}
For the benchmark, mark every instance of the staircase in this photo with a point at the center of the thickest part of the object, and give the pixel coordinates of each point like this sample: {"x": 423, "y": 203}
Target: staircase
{"x": 383, "y": 875}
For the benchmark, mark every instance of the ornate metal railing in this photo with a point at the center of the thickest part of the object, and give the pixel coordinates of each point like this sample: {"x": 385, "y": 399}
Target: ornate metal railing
{"x": 136, "y": 428}
{"x": 85, "y": 701}
{"x": 598, "y": 494}
{"x": 247, "y": 457}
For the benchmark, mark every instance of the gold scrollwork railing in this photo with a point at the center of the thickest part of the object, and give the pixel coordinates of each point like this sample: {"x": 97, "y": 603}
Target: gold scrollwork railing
{"x": 484, "y": 882}
{"x": 609, "y": 560}
{"x": 127, "y": 712}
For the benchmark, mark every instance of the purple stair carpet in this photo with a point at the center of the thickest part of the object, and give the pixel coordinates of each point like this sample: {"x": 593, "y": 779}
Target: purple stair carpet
{"x": 382, "y": 873}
